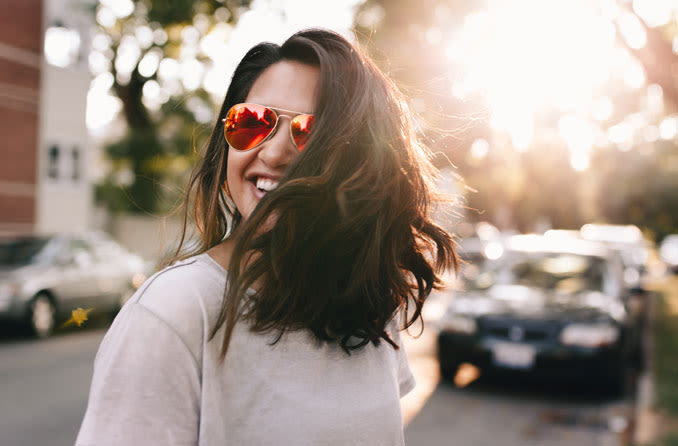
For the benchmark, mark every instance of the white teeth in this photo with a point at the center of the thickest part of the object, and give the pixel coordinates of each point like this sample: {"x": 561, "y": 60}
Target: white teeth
{"x": 266, "y": 184}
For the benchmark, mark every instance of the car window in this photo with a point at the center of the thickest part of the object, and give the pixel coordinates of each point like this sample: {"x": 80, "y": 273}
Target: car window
{"x": 560, "y": 272}
{"x": 21, "y": 251}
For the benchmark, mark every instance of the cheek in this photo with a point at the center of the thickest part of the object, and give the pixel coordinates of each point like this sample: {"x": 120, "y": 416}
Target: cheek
{"x": 235, "y": 172}
{"x": 233, "y": 169}
{"x": 230, "y": 174}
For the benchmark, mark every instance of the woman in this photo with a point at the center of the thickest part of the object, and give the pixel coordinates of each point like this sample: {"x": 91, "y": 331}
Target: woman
{"x": 314, "y": 195}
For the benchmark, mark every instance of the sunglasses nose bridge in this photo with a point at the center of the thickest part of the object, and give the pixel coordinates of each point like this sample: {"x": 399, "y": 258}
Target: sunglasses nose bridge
{"x": 289, "y": 124}
{"x": 274, "y": 131}
{"x": 290, "y": 118}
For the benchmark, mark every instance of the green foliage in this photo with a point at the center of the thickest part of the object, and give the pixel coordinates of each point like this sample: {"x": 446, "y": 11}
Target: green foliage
{"x": 151, "y": 165}
{"x": 169, "y": 12}
{"x": 666, "y": 346}
{"x": 151, "y": 162}
{"x": 640, "y": 189}
{"x": 665, "y": 332}
{"x": 174, "y": 12}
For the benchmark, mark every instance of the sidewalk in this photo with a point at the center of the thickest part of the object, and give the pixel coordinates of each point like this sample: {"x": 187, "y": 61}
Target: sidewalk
{"x": 647, "y": 420}
{"x": 421, "y": 354}
{"x": 650, "y": 423}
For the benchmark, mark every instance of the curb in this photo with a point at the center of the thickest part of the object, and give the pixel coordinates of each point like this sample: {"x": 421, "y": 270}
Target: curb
{"x": 646, "y": 420}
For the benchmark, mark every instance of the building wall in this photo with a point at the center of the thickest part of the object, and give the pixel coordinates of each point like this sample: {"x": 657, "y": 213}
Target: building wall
{"x": 20, "y": 66}
{"x": 44, "y": 144}
{"x": 64, "y": 192}
{"x": 149, "y": 237}
{"x": 64, "y": 199}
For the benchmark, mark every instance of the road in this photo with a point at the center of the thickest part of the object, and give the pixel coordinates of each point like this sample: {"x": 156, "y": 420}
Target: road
{"x": 506, "y": 410}
{"x": 44, "y": 386}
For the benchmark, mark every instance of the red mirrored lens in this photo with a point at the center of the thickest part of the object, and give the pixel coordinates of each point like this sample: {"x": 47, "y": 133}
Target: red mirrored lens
{"x": 247, "y": 125}
{"x": 300, "y": 128}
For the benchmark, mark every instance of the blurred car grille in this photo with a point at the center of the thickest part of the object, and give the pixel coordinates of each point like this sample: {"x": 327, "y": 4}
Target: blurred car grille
{"x": 518, "y": 330}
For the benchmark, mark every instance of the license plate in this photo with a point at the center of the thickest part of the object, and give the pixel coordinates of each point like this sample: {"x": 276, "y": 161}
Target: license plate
{"x": 513, "y": 355}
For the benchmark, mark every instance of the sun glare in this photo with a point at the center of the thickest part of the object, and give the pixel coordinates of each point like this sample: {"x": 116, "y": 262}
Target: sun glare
{"x": 524, "y": 59}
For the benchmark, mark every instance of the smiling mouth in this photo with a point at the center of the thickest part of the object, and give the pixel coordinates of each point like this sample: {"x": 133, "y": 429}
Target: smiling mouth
{"x": 265, "y": 184}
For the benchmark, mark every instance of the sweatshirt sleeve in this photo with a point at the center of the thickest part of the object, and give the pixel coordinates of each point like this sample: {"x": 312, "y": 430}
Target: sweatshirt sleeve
{"x": 406, "y": 380}
{"x": 146, "y": 385}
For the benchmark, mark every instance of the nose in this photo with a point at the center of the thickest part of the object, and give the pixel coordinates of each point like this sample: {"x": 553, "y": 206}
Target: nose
{"x": 279, "y": 150}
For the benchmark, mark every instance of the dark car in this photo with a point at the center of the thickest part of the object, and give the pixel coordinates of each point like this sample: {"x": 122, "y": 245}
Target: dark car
{"x": 628, "y": 242}
{"x": 44, "y": 278}
{"x": 553, "y": 306}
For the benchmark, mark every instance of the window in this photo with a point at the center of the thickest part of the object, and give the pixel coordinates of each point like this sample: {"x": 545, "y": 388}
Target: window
{"x": 53, "y": 162}
{"x": 75, "y": 158}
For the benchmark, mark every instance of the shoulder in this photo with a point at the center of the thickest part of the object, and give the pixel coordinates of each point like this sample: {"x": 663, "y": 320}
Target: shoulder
{"x": 183, "y": 288}
{"x": 184, "y": 296}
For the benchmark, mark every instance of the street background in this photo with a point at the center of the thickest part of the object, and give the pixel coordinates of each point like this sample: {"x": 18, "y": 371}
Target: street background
{"x": 540, "y": 114}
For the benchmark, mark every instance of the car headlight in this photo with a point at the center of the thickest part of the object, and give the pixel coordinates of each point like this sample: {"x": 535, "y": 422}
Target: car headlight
{"x": 455, "y": 323}
{"x": 589, "y": 335}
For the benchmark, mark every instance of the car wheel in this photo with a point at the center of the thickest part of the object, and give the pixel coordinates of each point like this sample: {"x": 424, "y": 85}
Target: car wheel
{"x": 42, "y": 316}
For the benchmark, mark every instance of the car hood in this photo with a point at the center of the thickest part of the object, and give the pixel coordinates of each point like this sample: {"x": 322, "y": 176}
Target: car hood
{"x": 536, "y": 303}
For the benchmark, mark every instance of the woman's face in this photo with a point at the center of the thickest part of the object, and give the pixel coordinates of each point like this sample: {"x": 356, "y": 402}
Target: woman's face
{"x": 287, "y": 85}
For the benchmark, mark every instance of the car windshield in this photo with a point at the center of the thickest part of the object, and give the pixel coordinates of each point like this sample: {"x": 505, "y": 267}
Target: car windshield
{"x": 21, "y": 251}
{"x": 560, "y": 272}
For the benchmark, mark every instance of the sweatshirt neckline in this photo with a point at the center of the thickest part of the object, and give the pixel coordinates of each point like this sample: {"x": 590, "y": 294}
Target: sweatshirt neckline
{"x": 220, "y": 269}
{"x": 214, "y": 263}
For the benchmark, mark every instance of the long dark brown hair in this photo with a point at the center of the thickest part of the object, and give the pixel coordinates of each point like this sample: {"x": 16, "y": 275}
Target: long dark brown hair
{"x": 346, "y": 239}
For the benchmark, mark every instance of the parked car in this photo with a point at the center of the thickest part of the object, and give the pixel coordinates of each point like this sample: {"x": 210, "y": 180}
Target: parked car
{"x": 44, "y": 278}
{"x": 628, "y": 241}
{"x": 632, "y": 248}
{"x": 554, "y": 306}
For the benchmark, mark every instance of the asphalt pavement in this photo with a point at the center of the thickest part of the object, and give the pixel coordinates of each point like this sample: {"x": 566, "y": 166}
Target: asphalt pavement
{"x": 506, "y": 410}
{"x": 44, "y": 386}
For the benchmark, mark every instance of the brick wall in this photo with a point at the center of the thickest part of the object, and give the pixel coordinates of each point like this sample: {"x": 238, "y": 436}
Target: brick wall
{"x": 20, "y": 58}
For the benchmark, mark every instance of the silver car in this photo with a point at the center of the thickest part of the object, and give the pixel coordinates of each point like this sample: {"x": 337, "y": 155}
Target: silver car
{"x": 44, "y": 278}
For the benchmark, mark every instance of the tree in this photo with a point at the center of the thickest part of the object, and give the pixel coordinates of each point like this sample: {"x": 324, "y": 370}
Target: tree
{"x": 135, "y": 40}
{"x": 628, "y": 181}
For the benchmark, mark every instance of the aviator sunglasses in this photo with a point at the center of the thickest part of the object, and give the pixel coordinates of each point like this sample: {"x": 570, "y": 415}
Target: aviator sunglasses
{"x": 246, "y": 126}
